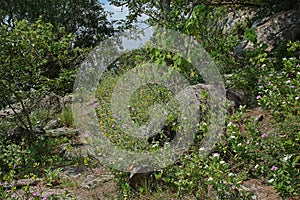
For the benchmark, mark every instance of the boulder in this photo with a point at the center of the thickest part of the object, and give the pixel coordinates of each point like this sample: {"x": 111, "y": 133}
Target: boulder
{"x": 203, "y": 107}
{"x": 72, "y": 150}
{"x": 15, "y": 135}
{"x": 11, "y": 110}
{"x": 139, "y": 176}
{"x": 51, "y": 101}
{"x": 53, "y": 124}
{"x": 141, "y": 173}
{"x": 273, "y": 29}
{"x": 39, "y": 130}
{"x": 236, "y": 18}
{"x": 235, "y": 98}
{"x": 69, "y": 99}
{"x": 62, "y": 132}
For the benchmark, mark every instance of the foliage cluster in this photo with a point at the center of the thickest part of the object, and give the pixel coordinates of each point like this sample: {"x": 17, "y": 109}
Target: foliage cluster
{"x": 247, "y": 151}
{"x": 270, "y": 80}
{"x": 38, "y": 57}
{"x": 19, "y": 161}
{"x": 34, "y": 61}
{"x": 86, "y": 20}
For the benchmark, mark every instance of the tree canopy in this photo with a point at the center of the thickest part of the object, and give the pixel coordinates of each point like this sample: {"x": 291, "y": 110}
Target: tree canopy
{"x": 86, "y": 19}
{"x": 163, "y": 11}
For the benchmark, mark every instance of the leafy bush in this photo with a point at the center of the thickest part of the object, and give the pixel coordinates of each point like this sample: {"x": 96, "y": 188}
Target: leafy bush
{"x": 33, "y": 60}
{"x": 204, "y": 25}
{"x": 279, "y": 87}
{"x": 66, "y": 117}
{"x": 247, "y": 150}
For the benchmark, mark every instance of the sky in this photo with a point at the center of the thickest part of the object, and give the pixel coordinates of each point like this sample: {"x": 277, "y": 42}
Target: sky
{"x": 119, "y": 12}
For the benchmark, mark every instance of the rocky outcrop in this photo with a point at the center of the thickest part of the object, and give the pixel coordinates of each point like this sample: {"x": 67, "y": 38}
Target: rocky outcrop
{"x": 235, "y": 98}
{"x": 138, "y": 177}
{"x": 53, "y": 124}
{"x": 235, "y": 19}
{"x": 202, "y": 103}
{"x": 54, "y": 127}
{"x": 51, "y": 101}
{"x": 17, "y": 134}
{"x": 62, "y": 132}
{"x": 8, "y": 112}
{"x": 273, "y": 29}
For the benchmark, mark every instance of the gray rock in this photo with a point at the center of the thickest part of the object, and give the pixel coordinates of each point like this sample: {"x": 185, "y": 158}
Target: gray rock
{"x": 140, "y": 175}
{"x": 16, "y": 135}
{"x": 88, "y": 181}
{"x": 242, "y": 47}
{"x": 72, "y": 150}
{"x": 235, "y": 18}
{"x": 39, "y": 130}
{"x": 50, "y": 101}
{"x": 273, "y": 29}
{"x": 62, "y": 132}
{"x": 280, "y": 26}
{"x": 69, "y": 99}
{"x": 235, "y": 98}
{"x": 11, "y": 110}
{"x": 53, "y": 124}
{"x": 93, "y": 181}
{"x": 20, "y": 183}
{"x": 7, "y": 112}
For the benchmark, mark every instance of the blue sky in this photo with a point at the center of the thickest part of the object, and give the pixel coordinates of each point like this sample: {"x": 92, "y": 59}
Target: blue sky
{"x": 118, "y": 12}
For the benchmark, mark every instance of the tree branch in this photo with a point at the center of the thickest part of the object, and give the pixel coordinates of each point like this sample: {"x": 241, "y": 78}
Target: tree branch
{"x": 222, "y": 3}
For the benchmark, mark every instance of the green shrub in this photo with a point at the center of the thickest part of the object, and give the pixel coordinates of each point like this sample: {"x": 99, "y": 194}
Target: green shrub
{"x": 32, "y": 60}
{"x": 66, "y": 117}
{"x": 279, "y": 87}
